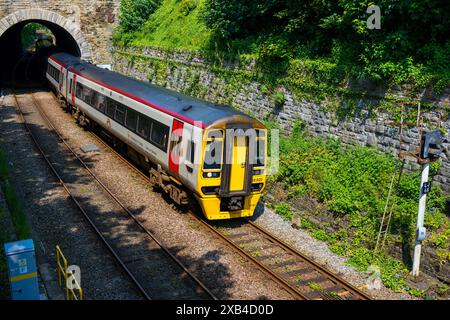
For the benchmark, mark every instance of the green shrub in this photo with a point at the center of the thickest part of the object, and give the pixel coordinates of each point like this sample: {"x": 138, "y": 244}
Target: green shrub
{"x": 187, "y": 6}
{"x": 279, "y": 99}
{"x": 284, "y": 210}
{"x": 134, "y": 13}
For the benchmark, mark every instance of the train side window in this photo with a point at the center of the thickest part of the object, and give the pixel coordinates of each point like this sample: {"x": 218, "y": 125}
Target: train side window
{"x": 87, "y": 94}
{"x": 131, "y": 120}
{"x": 101, "y": 103}
{"x": 53, "y": 72}
{"x": 70, "y": 86}
{"x": 110, "y": 107}
{"x": 159, "y": 135}
{"x": 143, "y": 126}
{"x": 79, "y": 91}
{"x": 120, "y": 113}
{"x": 94, "y": 99}
{"x": 191, "y": 151}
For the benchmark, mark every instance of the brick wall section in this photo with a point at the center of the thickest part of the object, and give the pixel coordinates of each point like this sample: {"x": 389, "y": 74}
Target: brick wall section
{"x": 91, "y": 22}
{"x": 187, "y": 69}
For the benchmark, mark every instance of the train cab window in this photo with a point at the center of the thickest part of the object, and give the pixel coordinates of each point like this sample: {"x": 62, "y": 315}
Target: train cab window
{"x": 213, "y": 151}
{"x": 260, "y": 153}
{"x": 261, "y": 133}
{"x": 101, "y": 103}
{"x": 131, "y": 120}
{"x": 159, "y": 135}
{"x": 215, "y": 134}
{"x": 213, "y": 155}
{"x": 143, "y": 127}
{"x": 120, "y": 113}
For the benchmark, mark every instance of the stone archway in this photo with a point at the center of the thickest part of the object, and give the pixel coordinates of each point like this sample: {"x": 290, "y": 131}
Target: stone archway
{"x": 47, "y": 16}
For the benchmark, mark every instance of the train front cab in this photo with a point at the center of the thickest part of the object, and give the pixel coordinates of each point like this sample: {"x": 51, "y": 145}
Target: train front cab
{"x": 232, "y": 173}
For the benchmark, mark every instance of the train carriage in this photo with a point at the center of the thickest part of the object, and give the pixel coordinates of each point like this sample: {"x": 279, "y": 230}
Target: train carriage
{"x": 190, "y": 146}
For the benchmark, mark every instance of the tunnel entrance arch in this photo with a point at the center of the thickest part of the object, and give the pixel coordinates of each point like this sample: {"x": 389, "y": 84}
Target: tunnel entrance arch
{"x": 66, "y": 32}
{"x": 17, "y": 65}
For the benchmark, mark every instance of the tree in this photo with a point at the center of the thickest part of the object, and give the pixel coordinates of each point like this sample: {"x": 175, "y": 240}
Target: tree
{"x": 134, "y": 13}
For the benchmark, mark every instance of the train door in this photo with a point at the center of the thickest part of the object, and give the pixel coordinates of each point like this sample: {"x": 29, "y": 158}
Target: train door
{"x": 68, "y": 87}
{"x": 175, "y": 147}
{"x": 61, "y": 79}
{"x": 238, "y": 163}
{"x": 73, "y": 88}
{"x": 237, "y": 173}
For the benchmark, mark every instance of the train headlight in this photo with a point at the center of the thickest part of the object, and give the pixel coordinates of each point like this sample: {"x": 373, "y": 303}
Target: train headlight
{"x": 211, "y": 174}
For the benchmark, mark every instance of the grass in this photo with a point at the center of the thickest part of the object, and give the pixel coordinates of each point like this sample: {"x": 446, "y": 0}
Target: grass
{"x": 175, "y": 24}
{"x": 18, "y": 218}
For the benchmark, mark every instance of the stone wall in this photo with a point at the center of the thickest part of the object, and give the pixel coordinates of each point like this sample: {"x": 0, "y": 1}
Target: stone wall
{"x": 90, "y": 22}
{"x": 188, "y": 72}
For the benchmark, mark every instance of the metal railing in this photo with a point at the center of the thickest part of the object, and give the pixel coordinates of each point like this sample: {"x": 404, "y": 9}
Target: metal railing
{"x": 74, "y": 291}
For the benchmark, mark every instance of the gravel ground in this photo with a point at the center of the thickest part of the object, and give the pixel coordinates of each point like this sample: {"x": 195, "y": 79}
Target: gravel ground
{"x": 158, "y": 274}
{"x": 319, "y": 252}
{"x": 223, "y": 271}
{"x": 53, "y": 217}
{"x": 213, "y": 261}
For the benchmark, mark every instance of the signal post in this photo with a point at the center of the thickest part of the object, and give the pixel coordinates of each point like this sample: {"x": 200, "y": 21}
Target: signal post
{"x": 430, "y": 151}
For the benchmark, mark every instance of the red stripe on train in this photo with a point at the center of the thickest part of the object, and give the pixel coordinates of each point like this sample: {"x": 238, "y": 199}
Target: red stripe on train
{"x": 136, "y": 98}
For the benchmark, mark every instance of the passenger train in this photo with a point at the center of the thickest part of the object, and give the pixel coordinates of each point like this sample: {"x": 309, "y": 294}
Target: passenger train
{"x": 191, "y": 148}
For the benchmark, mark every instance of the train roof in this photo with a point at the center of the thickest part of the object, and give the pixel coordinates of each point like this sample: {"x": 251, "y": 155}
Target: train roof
{"x": 179, "y": 105}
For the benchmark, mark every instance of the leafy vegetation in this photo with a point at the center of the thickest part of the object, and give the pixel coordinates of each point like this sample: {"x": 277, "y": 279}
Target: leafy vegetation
{"x": 412, "y": 45}
{"x": 174, "y": 24}
{"x": 353, "y": 183}
{"x": 134, "y": 13}
{"x": 28, "y": 34}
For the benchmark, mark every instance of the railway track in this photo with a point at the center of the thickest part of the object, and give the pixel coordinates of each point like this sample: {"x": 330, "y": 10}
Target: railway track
{"x": 298, "y": 274}
{"x": 133, "y": 262}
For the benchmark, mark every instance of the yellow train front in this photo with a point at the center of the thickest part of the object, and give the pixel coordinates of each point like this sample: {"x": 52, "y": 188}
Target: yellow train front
{"x": 232, "y": 170}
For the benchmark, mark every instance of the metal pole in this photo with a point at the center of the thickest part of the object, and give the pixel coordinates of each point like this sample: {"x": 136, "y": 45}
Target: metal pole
{"x": 420, "y": 219}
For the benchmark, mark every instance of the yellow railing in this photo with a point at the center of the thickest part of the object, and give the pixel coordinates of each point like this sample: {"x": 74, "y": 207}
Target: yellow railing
{"x": 75, "y": 292}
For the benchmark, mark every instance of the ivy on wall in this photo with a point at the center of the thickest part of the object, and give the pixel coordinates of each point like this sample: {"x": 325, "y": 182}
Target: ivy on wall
{"x": 321, "y": 83}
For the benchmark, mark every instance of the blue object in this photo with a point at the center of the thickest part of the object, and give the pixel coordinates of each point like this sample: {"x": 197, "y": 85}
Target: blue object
{"x": 22, "y": 270}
